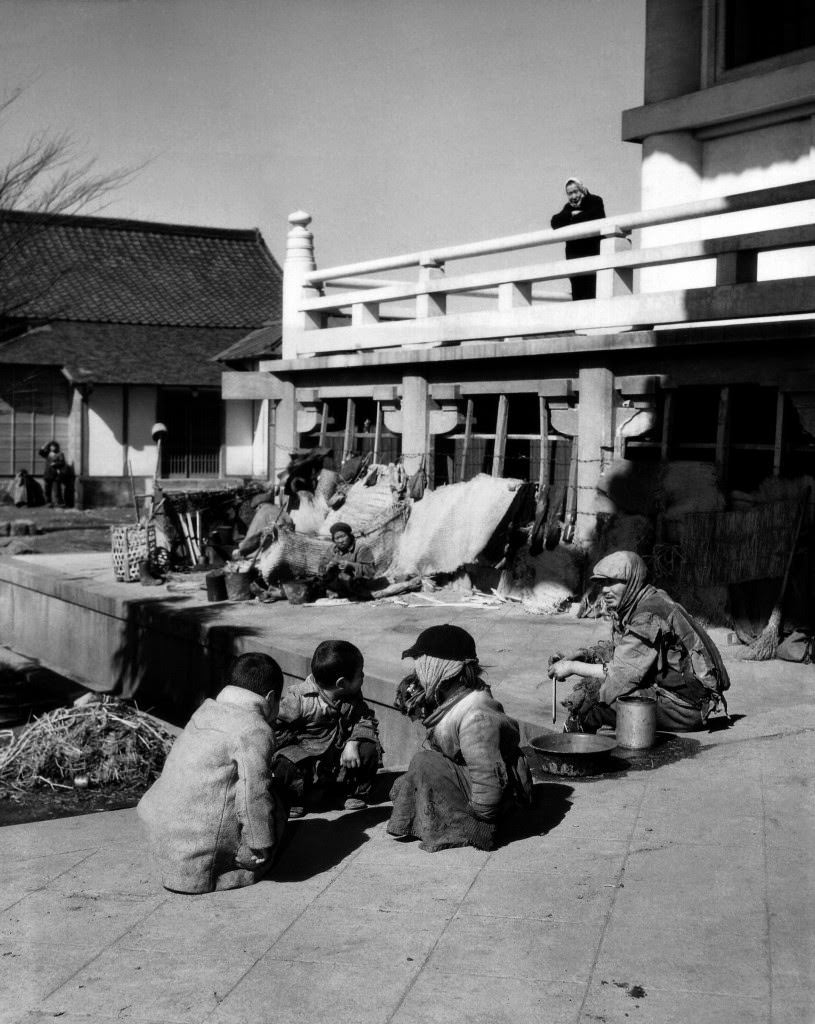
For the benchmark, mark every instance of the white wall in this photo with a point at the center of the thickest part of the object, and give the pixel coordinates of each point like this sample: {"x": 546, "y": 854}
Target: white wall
{"x": 240, "y": 436}
{"x": 679, "y": 168}
{"x": 105, "y": 423}
{"x": 141, "y": 449}
{"x": 260, "y": 446}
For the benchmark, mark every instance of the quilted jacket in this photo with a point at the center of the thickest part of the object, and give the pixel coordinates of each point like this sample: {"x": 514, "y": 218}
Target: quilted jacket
{"x": 214, "y": 799}
{"x": 471, "y": 728}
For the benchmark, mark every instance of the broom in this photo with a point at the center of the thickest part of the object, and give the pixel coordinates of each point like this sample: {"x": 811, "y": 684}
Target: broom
{"x": 766, "y": 645}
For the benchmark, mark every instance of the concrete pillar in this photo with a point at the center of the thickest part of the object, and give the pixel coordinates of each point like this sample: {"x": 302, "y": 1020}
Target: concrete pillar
{"x": 415, "y": 422}
{"x": 595, "y": 441}
{"x": 78, "y": 439}
{"x": 299, "y": 261}
{"x": 286, "y": 438}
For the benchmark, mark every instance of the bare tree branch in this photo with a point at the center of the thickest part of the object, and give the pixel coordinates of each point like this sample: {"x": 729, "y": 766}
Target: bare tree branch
{"x": 48, "y": 178}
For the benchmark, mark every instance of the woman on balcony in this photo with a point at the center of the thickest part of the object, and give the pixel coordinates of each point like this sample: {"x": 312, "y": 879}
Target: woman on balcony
{"x": 581, "y": 206}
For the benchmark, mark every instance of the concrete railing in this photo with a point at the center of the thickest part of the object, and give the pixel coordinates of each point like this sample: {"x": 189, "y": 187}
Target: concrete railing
{"x": 515, "y": 308}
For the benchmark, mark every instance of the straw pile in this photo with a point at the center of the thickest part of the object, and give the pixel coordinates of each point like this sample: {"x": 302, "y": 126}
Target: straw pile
{"x": 107, "y": 745}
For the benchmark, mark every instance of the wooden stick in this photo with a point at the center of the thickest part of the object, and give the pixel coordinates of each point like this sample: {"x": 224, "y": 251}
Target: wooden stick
{"x": 554, "y": 699}
{"x": 133, "y": 489}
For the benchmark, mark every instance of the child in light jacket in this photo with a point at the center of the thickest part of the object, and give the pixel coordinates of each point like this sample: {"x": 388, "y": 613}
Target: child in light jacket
{"x": 213, "y": 818}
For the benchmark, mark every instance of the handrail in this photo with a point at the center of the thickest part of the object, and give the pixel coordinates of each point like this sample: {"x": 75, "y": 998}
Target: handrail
{"x": 619, "y": 224}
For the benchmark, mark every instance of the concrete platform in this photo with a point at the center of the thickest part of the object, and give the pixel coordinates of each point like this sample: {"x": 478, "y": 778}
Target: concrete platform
{"x": 171, "y": 649}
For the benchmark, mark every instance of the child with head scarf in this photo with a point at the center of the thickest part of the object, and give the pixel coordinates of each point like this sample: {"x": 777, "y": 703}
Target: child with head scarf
{"x": 657, "y": 649}
{"x": 581, "y": 206}
{"x": 472, "y": 772}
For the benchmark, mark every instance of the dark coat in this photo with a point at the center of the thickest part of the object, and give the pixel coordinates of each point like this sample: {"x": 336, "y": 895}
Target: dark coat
{"x": 591, "y": 208}
{"x": 659, "y": 644}
{"x": 310, "y": 724}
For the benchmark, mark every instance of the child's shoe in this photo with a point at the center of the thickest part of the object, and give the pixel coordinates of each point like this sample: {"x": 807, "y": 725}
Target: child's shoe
{"x": 355, "y": 803}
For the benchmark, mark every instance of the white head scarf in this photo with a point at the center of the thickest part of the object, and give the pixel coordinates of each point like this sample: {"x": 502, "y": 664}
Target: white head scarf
{"x": 432, "y": 672}
{"x": 576, "y": 181}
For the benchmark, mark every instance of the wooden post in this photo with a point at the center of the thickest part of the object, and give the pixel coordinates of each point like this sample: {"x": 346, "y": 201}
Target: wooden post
{"x": 323, "y": 424}
{"x": 779, "y": 433}
{"x": 468, "y": 433}
{"x": 350, "y": 428}
{"x": 544, "y": 461}
{"x": 499, "y": 449}
{"x": 667, "y": 417}
{"x": 378, "y": 432}
{"x": 723, "y": 435}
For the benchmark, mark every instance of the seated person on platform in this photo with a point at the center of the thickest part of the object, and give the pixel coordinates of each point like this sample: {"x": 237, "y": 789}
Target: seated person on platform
{"x": 326, "y": 732}
{"x": 657, "y": 649}
{"x": 213, "y": 819}
{"x": 351, "y": 565}
{"x": 472, "y": 773}
{"x": 267, "y": 519}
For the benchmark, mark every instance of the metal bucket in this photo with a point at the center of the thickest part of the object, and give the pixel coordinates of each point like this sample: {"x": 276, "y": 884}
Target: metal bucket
{"x": 636, "y": 722}
{"x": 216, "y": 585}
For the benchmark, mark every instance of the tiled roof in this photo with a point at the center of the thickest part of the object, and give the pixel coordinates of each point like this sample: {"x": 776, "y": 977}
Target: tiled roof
{"x": 102, "y": 270}
{"x": 125, "y": 353}
{"x": 265, "y": 342}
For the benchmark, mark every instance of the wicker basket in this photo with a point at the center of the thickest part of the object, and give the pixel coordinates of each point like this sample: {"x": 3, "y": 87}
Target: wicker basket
{"x": 130, "y": 546}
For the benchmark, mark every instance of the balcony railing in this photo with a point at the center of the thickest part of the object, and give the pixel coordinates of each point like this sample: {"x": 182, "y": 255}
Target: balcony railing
{"x": 510, "y": 301}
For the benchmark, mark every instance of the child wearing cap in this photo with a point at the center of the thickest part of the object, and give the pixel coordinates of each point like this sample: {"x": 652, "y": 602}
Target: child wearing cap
{"x": 212, "y": 817}
{"x": 457, "y": 791}
{"x": 326, "y": 732}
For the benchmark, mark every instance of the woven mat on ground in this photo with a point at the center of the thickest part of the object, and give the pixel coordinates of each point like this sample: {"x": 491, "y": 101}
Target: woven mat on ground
{"x": 452, "y": 525}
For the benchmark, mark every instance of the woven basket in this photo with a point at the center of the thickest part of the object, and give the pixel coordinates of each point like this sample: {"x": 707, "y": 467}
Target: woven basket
{"x": 130, "y": 546}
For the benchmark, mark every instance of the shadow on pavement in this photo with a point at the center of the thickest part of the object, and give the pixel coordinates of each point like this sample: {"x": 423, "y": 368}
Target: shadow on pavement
{"x": 314, "y": 845}
{"x": 550, "y": 805}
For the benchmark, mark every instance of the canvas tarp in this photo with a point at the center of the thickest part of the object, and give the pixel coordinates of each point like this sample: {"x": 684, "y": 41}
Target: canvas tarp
{"x": 452, "y": 525}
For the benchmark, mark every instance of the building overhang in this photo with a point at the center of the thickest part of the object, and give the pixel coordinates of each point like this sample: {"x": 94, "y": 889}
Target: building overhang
{"x": 787, "y": 92}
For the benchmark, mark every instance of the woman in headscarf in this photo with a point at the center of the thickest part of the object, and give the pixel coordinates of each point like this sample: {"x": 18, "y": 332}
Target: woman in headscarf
{"x": 472, "y": 771}
{"x": 581, "y": 206}
{"x": 657, "y": 649}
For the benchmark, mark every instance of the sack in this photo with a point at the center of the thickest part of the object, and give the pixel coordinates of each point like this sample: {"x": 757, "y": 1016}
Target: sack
{"x": 417, "y": 483}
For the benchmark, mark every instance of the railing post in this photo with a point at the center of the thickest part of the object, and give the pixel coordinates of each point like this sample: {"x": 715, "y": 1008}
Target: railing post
{"x": 299, "y": 261}
{"x": 615, "y": 282}
{"x": 436, "y": 303}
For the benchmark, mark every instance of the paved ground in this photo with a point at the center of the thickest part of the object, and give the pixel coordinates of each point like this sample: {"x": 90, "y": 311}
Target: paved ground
{"x": 680, "y": 894}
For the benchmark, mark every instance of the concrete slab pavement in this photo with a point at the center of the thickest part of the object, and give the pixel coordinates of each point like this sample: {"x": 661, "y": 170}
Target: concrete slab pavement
{"x": 672, "y": 895}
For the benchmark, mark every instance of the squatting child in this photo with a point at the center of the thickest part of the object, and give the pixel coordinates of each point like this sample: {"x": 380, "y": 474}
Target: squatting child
{"x": 213, "y": 818}
{"x": 326, "y": 733}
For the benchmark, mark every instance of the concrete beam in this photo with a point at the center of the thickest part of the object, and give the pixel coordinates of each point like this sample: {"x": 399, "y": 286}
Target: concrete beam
{"x": 783, "y": 89}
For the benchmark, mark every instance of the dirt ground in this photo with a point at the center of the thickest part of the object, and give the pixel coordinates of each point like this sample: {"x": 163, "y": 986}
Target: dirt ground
{"x": 56, "y": 530}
